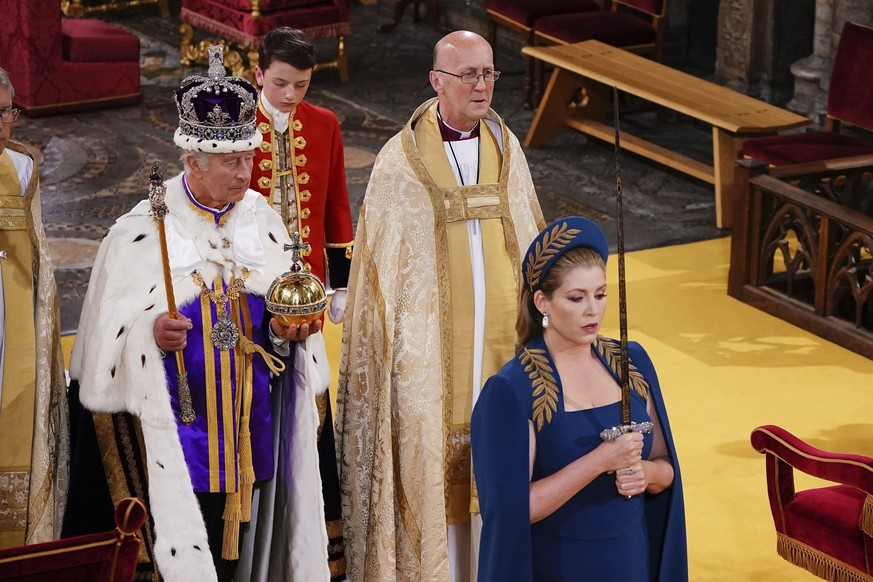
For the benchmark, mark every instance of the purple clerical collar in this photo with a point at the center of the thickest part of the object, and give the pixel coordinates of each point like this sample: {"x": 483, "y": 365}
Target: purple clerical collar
{"x": 449, "y": 133}
{"x": 217, "y": 212}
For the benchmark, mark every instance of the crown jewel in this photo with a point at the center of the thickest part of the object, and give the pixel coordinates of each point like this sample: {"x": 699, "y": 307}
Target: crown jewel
{"x": 217, "y": 113}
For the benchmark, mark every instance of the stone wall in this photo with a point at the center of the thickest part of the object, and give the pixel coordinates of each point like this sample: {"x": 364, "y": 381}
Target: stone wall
{"x": 757, "y": 42}
{"x": 781, "y": 50}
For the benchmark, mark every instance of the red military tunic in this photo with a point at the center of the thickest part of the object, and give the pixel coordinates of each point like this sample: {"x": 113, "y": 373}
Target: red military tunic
{"x": 323, "y": 217}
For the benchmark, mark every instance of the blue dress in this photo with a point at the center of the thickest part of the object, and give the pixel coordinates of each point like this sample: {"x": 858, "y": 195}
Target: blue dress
{"x": 597, "y": 534}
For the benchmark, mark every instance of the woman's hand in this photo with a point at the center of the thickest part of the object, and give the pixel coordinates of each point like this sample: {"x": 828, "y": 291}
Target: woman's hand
{"x": 171, "y": 335}
{"x": 294, "y": 332}
{"x": 632, "y": 480}
{"x": 622, "y": 452}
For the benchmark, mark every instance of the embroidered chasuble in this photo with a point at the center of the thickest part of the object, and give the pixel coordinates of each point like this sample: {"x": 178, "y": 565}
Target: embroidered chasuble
{"x": 406, "y": 379}
{"x": 33, "y": 413}
{"x": 463, "y": 203}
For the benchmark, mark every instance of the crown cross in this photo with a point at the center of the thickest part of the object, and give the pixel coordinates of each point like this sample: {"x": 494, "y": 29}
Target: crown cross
{"x": 216, "y": 63}
{"x": 296, "y": 247}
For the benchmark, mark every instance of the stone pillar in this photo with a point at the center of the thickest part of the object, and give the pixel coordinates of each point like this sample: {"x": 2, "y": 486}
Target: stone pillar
{"x": 735, "y": 52}
{"x": 757, "y": 42}
{"x": 812, "y": 73}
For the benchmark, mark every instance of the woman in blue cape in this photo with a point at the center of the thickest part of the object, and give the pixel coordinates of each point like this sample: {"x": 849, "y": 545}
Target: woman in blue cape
{"x": 559, "y": 503}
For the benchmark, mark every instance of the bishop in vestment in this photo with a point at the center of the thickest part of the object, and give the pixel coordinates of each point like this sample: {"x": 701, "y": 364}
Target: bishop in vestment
{"x": 34, "y": 427}
{"x": 430, "y": 316}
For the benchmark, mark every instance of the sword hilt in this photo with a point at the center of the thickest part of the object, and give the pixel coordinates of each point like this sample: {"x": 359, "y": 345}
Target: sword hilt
{"x": 610, "y": 434}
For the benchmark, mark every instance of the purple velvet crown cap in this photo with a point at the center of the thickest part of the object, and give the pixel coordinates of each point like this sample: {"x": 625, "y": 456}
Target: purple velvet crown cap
{"x": 217, "y": 113}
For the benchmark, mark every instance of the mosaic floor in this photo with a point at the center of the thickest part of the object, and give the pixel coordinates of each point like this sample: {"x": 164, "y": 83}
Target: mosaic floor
{"x": 94, "y": 165}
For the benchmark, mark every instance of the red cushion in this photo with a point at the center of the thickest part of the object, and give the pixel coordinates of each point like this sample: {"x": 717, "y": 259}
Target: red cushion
{"x": 525, "y": 12}
{"x": 827, "y": 519}
{"x": 268, "y": 5}
{"x": 94, "y": 41}
{"x": 811, "y": 146}
{"x": 324, "y": 19}
{"x": 615, "y": 28}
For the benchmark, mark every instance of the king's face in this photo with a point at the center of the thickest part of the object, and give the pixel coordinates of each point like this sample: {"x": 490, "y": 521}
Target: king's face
{"x": 224, "y": 180}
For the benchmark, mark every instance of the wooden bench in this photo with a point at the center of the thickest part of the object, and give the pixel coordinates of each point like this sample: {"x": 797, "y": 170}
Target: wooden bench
{"x": 734, "y": 117}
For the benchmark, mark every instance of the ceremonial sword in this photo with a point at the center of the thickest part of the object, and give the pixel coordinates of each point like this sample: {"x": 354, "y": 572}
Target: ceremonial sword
{"x": 627, "y": 425}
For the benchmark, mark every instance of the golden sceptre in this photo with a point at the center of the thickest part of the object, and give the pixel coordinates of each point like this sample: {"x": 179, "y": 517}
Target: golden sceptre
{"x": 157, "y": 192}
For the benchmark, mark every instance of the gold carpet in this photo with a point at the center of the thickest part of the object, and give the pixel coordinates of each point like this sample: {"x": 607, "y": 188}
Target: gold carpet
{"x": 726, "y": 368}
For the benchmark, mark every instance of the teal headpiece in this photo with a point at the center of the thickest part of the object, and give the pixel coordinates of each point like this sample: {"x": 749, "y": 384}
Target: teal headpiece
{"x": 556, "y": 239}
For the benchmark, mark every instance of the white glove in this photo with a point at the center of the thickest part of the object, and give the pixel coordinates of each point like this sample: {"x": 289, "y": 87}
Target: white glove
{"x": 337, "y": 309}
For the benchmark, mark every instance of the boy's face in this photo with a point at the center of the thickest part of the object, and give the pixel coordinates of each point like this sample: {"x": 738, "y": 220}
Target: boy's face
{"x": 283, "y": 85}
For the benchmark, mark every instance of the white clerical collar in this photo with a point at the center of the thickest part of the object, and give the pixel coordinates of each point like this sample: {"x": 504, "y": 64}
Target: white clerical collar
{"x": 280, "y": 118}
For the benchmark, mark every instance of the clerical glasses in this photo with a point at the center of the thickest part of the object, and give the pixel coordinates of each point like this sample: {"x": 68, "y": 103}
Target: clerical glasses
{"x": 473, "y": 78}
{"x": 10, "y": 114}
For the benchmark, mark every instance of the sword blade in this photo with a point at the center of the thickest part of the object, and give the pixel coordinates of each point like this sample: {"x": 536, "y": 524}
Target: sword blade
{"x": 622, "y": 282}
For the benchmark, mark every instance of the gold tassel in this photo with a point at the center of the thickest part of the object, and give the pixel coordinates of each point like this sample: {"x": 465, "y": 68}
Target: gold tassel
{"x": 246, "y": 470}
{"x": 817, "y": 562}
{"x": 232, "y": 515}
{"x": 866, "y": 521}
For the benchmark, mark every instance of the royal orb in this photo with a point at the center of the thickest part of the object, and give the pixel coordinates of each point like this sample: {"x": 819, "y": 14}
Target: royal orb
{"x": 296, "y": 297}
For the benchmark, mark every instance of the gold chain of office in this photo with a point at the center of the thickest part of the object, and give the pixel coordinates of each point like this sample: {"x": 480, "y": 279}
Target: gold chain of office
{"x": 221, "y": 297}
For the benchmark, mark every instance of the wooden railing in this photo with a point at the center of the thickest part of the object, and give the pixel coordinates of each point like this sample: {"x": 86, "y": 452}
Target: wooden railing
{"x": 802, "y": 246}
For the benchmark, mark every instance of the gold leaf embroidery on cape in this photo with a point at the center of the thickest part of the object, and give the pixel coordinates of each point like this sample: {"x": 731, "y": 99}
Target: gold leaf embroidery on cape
{"x": 610, "y": 350}
{"x": 552, "y": 242}
{"x": 545, "y": 390}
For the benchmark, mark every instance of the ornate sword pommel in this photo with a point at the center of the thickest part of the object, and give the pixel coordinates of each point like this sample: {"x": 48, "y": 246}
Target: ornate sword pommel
{"x": 157, "y": 191}
{"x": 610, "y": 434}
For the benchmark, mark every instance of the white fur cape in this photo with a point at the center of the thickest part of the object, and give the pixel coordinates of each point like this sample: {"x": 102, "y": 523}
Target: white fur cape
{"x": 119, "y": 366}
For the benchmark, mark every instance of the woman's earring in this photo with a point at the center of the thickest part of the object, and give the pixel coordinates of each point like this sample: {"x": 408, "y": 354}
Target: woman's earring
{"x": 545, "y": 320}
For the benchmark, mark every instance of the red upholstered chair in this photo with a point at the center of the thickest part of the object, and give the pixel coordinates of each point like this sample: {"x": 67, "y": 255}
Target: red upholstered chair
{"x": 850, "y": 100}
{"x": 826, "y": 530}
{"x": 103, "y": 557}
{"x": 58, "y": 65}
{"x": 244, "y": 23}
{"x": 638, "y": 26}
{"x": 519, "y": 17}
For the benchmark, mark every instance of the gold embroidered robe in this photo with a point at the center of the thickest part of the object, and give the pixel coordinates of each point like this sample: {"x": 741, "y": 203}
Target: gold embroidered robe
{"x": 404, "y": 402}
{"x": 34, "y": 424}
